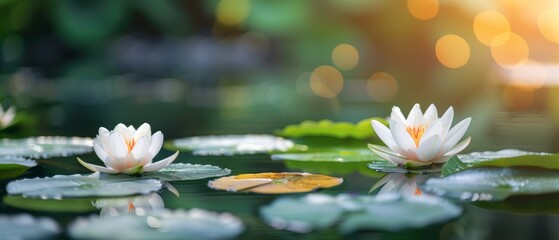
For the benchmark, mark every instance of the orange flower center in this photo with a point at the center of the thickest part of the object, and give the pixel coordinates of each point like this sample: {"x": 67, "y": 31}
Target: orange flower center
{"x": 131, "y": 207}
{"x": 417, "y": 192}
{"x": 416, "y": 132}
{"x": 130, "y": 143}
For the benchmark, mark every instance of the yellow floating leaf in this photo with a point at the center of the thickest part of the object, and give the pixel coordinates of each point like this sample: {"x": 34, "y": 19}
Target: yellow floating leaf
{"x": 275, "y": 183}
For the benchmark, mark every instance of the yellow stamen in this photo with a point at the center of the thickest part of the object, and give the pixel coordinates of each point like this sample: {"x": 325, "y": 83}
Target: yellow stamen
{"x": 130, "y": 143}
{"x": 131, "y": 207}
{"x": 416, "y": 132}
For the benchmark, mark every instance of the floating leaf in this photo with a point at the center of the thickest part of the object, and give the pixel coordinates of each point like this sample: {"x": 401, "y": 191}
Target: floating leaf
{"x": 177, "y": 224}
{"x": 275, "y": 183}
{"x": 25, "y": 226}
{"x": 494, "y": 184}
{"x": 187, "y": 171}
{"x": 502, "y": 158}
{"x": 74, "y": 205}
{"x": 361, "y": 130}
{"x": 343, "y": 155}
{"x": 355, "y": 213}
{"x": 13, "y": 166}
{"x": 525, "y": 204}
{"x": 45, "y": 147}
{"x": 81, "y": 186}
{"x": 231, "y": 144}
{"x": 382, "y": 165}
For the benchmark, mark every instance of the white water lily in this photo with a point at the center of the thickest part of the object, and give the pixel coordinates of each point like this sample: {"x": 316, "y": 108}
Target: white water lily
{"x": 402, "y": 184}
{"x": 139, "y": 205}
{"x": 7, "y": 117}
{"x": 127, "y": 150}
{"x": 420, "y": 139}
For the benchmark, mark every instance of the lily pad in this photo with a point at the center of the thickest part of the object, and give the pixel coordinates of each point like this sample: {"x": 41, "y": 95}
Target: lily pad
{"x": 231, "y": 144}
{"x": 275, "y": 183}
{"x": 336, "y": 156}
{"x": 382, "y": 165}
{"x": 525, "y": 204}
{"x": 361, "y": 130}
{"x": 187, "y": 171}
{"x": 45, "y": 146}
{"x": 73, "y": 205}
{"x": 502, "y": 158}
{"x": 353, "y": 213}
{"x": 63, "y": 186}
{"x": 13, "y": 166}
{"x": 177, "y": 224}
{"x": 25, "y": 226}
{"x": 494, "y": 184}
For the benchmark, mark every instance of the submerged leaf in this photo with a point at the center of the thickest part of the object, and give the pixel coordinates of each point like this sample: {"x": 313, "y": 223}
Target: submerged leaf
{"x": 73, "y": 205}
{"x": 25, "y": 226}
{"x": 45, "y": 146}
{"x": 231, "y": 144}
{"x": 62, "y": 186}
{"x": 177, "y": 224}
{"x": 502, "y": 158}
{"x": 275, "y": 183}
{"x": 341, "y": 155}
{"x": 494, "y": 184}
{"x": 356, "y": 213}
{"x": 361, "y": 130}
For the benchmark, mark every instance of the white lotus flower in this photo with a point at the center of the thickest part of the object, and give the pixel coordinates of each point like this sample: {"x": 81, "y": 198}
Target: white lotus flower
{"x": 421, "y": 139}
{"x": 140, "y": 205}
{"x": 127, "y": 150}
{"x": 7, "y": 117}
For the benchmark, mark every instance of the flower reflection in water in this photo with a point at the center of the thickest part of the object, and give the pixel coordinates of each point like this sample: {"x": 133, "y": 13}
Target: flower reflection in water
{"x": 138, "y": 205}
{"x": 404, "y": 184}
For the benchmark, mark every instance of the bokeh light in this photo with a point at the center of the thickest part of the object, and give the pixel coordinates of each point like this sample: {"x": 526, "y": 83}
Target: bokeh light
{"x": 548, "y": 23}
{"x": 345, "y": 56}
{"x": 512, "y": 50}
{"x": 326, "y": 81}
{"x": 490, "y": 24}
{"x": 382, "y": 87}
{"x": 232, "y": 12}
{"x": 452, "y": 51}
{"x": 423, "y": 9}
{"x": 529, "y": 75}
{"x": 517, "y": 98}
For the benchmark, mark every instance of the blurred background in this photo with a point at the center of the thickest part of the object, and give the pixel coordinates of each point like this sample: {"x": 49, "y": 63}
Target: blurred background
{"x": 248, "y": 66}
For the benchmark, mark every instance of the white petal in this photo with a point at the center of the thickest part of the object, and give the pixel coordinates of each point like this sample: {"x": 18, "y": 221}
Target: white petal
{"x": 140, "y": 149}
{"x": 446, "y": 120}
{"x": 154, "y": 147}
{"x": 124, "y": 131}
{"x": 455, "y": 134}
{"x": 118, "y": 148}
{"x": 96, "y": 168}
{"x": 435, "y": 129}
{"x": 403, "y": 140}
{"x": 152, "y": 167}
{"x": 104, "y": 137}
{"x": 397, "y": 115}
{"x": 143, "y": 130}
{"x": 98, "y": 148}
{"x": 9, "y": 116}
{"x": 391, "y": 186}
{"x": 429, "y": 148}
{"x": 387, "y": 154}
{"x": 415, "y": 118}
{"x": 384, "y": 134}
{"x": 459, "y": 147}
{"x": 431, "y": 114}
{"x": 386, "y": 178}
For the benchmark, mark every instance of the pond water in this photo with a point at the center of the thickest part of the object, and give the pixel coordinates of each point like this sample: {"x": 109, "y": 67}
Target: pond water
{"x": 520, "y": 217}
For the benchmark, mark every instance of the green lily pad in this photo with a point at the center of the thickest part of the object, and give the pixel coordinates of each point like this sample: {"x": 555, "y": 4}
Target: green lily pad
{"x": 502, "y": 158}
{"x": 25, "y": 226}
{"x": 187, "y": 171}
{"x": 63, "y": 186}
{"x": 45, "y": 146}
{"x": 361, "y": 130}
{"x": 229, "y": 145}
{"x": 382, "y": 165}
{"x": 73, "y": 205}
{"x": 13, "y": 166}
{"x": 525, "y": 204}
{"x": 494, "y": 184}
{"x": 342, "y": 155}
{"x": 177, "y": 224}
{"x": 355, "y": 213}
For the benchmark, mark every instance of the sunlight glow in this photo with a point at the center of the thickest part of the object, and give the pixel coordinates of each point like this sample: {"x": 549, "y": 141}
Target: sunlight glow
{"x": 382, "y": 87}
{"x": 423, "y": 9}
{"x": 452, "y": 51}
{"x": 490, "y": 24}
{"x": 345, "y": 56}
{"x": 326, "y": 81}
{"x": 232, "y": 12}
{"x": 548, "y": 22}
{"x": 511, "y": 52}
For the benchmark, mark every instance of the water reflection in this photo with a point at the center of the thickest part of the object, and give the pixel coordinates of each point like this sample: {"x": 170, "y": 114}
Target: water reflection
{"x": 405, "y": 184}
{"x": 138, "y": 205}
